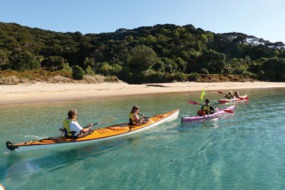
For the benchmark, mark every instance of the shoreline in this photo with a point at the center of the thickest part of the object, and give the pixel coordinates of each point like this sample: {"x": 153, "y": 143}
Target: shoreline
{"x": 46, "y": 92}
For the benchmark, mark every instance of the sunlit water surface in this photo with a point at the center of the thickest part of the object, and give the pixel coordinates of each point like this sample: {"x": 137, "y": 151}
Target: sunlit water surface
{"x": 244, "y": 150}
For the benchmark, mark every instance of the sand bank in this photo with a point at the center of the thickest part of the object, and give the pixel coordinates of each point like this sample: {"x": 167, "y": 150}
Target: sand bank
{"x": 45, "y": 92}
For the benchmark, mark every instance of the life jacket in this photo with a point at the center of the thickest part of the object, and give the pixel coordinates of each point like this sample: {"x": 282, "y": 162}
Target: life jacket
{"x": 66, "y": 126}
{"x": 206, "y": 108}
{"x": 132, "y": 119}
{"x": 229, "y": 96}
{"x": 201, "y": 112}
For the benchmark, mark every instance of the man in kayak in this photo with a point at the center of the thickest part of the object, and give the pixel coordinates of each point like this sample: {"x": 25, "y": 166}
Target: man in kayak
{"x": 229, "y": 95}
{"x": 71, "y": 127}
{"x": 207, "y": 108}
{"x": 134, "y": 118}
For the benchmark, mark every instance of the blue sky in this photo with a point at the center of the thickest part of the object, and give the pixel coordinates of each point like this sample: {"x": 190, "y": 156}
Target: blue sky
{"x": 261, "y": 18}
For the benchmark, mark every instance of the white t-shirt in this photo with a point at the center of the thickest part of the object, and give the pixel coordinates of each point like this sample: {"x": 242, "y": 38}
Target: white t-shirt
{"x": 74, "y": 126}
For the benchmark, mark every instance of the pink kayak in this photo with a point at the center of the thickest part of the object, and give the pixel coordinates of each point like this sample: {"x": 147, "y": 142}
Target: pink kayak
{"x": 220, "y": 112}
{"x": 241, "y": 98}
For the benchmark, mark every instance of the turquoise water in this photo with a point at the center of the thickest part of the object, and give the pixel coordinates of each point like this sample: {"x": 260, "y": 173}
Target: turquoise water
{"x": 244, "y": 150}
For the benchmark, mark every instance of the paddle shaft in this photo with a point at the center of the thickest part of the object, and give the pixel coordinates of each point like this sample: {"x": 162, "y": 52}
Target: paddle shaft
{"x": 142, "y": 115}
{"x": 220, "y": 92}
{"x": 196, "y": 103}
{"x": 91, "y": 125}
{"x": 193, "y": 102}
{"x": 228, "y": 111}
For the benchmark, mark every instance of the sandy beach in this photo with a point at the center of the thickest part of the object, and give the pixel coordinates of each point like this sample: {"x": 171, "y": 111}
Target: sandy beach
{"x": 46, "y": 92}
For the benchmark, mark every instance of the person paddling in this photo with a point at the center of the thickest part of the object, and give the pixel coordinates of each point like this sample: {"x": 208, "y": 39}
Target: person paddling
{"x": 229, "y": 95}
{"x": 134, "y": 118}
{"x": 236, "y": 94}
{"x": 71, "y": 127}
{"x": 206, "y": 108}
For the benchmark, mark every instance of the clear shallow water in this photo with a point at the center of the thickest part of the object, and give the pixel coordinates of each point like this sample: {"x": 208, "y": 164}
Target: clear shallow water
{"x": 244, "y": 150}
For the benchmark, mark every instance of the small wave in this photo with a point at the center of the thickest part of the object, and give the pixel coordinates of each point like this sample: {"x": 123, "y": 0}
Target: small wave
{"x": 35, "y": 137}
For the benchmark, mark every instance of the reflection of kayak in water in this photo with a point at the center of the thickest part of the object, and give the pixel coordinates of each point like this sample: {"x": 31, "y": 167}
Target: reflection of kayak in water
{"x": 218, "y": 113}
{"x": 241, "y": 98}
{"x": 97, "y": 135}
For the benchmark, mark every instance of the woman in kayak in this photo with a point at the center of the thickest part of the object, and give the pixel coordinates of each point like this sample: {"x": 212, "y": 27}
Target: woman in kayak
{"x": 134, "y": 118}
{"x": 229, "y": 95}
{"x": 236, "y": 94}
{"x": 206, "y": 108}
{"x": 71, "y": 127}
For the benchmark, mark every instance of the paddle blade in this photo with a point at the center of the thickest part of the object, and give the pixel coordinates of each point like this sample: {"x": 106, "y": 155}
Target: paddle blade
{"x": 240, "y": 98}
{"x": 229, "y": 111}
{"x": 220, "y": 92}
{"x": 202, "y": 95}
{"x": 193, "y": 102}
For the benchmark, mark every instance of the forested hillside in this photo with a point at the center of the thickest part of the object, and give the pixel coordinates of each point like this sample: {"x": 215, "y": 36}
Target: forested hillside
{"x": 162, "y": 53}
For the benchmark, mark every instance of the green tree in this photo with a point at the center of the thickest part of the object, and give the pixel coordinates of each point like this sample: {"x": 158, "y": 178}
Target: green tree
{"x": 106, "y": 68}
{"x": 24, "y": 62}
{"x": 4, "y": 60}
{"x": 53, "y": 63}
{"x": 116, "y": 68}
{"x": 89, "y": 62}
{"x": 181, "y": 64}
{"x": 170, "y": 65}
{"x": 142, "y": 58}
{"x": 213, "y": 61}
{"x": 77, "y": 72}
{"x": 159, "y": 66}
{"x": 89, "y": 71}
{"x": 274, "y": 69}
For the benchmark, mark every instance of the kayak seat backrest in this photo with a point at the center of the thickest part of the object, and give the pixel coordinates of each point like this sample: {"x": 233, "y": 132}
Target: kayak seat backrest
{"x": 65, "y": 132}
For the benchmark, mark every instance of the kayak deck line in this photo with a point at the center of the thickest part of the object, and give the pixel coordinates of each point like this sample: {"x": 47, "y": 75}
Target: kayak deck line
{"x": 99, "y": 134}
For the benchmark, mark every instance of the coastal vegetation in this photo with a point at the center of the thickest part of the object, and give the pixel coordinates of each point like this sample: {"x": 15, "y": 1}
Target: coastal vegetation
{"x": 160, "y": 53}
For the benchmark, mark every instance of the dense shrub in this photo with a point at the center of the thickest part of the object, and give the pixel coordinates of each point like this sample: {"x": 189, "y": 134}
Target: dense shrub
{"x": 181, "y": 77}
{"x": 77, "y": 73}
{"x": 204, "y": 71}
{"x": 193, "y": 77}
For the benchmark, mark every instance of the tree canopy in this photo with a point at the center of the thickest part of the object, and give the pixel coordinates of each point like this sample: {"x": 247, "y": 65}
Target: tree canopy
{"x": 159, "y": 53}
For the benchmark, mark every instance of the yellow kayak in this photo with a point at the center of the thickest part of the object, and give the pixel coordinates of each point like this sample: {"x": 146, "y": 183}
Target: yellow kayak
{"x": 97, "y": 135}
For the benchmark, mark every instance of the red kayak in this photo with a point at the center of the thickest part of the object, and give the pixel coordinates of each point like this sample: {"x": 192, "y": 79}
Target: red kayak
{"x": 241, "y": 98}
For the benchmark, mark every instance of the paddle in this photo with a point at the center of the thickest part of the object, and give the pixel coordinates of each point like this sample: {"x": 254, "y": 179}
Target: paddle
{"x": 196, "y": 103}
{"x": 142, "y": 115}
{"x": 193, "y": 102}
{"x": 228, "y": 111}
{"x": 91, "y": 125}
